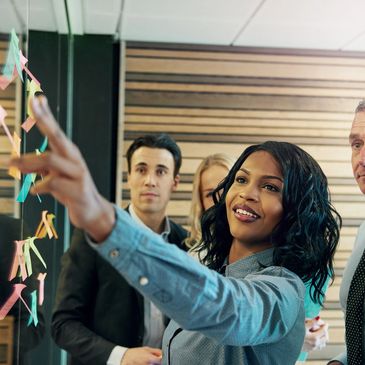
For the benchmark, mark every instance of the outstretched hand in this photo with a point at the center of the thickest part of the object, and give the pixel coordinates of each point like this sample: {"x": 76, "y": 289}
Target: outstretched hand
{"x": 316, "y": 336}
{"x": 66, "y": 176}
{"x": 142, "y": 356}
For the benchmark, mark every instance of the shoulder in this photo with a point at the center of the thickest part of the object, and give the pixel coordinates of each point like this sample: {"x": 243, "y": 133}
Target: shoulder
{"x": 360, "y": 242}
{"x": 281, "y": 278}
{"x": 361, "y": 230}
{"x": 177, "y": 234}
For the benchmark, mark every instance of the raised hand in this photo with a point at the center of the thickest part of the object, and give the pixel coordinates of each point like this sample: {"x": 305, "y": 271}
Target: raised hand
{"x": 66, "y": 176}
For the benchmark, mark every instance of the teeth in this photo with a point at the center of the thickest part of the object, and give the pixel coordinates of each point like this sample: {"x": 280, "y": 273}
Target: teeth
{"x": 245, "y": 212}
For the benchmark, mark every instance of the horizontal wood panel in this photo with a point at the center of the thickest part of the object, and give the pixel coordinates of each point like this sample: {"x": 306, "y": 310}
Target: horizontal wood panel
{"x": 264, "y": 58}
{"x": 290, "y": 124}
{"x": 232, "y": 89}
{"x": 226, "y": 113}
{"x": 246, "y": 69}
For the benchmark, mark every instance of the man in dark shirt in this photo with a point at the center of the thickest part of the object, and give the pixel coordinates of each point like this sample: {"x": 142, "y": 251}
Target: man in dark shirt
{"x": 98, "y": 317}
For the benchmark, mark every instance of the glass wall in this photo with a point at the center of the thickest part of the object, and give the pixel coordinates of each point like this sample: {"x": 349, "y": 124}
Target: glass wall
{"x": 32, "y": 228}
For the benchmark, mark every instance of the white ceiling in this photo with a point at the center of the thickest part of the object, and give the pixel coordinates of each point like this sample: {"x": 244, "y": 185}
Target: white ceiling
{"x": 307, "y": 24}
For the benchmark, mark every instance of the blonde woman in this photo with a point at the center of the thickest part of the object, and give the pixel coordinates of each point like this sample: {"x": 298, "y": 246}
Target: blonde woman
{"x": 210, "y": 172}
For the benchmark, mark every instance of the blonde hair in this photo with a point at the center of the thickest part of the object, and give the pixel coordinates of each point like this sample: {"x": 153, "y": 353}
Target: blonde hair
{"x": 196, "y": 209}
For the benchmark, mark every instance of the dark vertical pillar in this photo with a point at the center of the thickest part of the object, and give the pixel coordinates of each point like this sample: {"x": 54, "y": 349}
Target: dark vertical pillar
{"x": 94, "y": 130}
{"x": 95, "y": 123}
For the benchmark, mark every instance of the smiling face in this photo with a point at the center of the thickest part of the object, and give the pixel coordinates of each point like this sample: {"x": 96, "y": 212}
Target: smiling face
{"x": 357, "y": 143}
{"x": 151, "y": 180}
{"x": 254, "y": 202}
{"x": 209, "y": 179}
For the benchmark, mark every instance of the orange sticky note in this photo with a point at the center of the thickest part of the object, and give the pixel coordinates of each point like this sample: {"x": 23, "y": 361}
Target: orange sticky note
{"x": 46, "y": 226}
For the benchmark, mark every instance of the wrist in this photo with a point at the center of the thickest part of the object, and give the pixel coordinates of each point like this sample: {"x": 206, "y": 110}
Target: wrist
{"x": 100, "y": 227}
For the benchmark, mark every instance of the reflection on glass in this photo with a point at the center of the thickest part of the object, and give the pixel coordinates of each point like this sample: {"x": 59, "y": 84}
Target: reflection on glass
{"x": 22, "y": 324}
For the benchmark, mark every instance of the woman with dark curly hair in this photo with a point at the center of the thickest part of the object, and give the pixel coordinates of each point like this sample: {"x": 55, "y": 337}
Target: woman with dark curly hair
{"x": 305, "y": 239}
{"x": 272, "y": 227}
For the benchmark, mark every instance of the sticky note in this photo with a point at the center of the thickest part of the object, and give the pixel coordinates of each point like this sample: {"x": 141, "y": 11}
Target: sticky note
{"x": 3, "y": 114}
{"x": 23, "y": 193}
{"x": 18, "y": 262}
{"x": 34, "y": 315}
{"x": 46, "y": 226}
{"x": 28, "y": 124}
{"x": 41, "y": 277}
{"x": 16, "y": 294}
{"x": 32, "y": 88}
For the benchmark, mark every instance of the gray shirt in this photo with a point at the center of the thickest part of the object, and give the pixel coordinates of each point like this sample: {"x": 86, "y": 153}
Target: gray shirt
{"x": 254, "y": 315}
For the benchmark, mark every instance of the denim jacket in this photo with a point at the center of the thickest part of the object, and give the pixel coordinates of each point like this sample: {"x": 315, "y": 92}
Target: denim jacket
{"x": 253, "y": 315}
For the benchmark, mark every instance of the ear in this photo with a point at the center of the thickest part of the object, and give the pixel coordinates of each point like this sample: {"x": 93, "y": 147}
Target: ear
{"x": 176, "y": 182}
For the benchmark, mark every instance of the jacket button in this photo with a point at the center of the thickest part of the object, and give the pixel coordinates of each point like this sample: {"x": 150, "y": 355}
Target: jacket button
{"x": 114, "y": 253}
{"x": 143, "y": 281}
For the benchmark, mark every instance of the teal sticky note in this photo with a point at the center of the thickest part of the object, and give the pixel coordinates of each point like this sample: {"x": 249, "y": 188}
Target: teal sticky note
{"x": 25, "y": 189}
{"x": 34, "y": 317}
{"x": 13, "y": 58}
{"x": 43, "y": 147}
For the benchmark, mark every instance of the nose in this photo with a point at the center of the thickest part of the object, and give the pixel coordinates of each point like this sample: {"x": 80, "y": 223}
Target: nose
{"x": 150, "y": 179}
{"x": 362, "y": 156}
{"x": 250, "y": 192}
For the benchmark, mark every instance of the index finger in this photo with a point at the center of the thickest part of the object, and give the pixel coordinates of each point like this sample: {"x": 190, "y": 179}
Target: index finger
{"x": 49, "y": 127}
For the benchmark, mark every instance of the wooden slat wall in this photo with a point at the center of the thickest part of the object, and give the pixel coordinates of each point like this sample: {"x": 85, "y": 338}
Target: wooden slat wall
{"x": 8, "y": 100}
{"x": 223, "y": 99}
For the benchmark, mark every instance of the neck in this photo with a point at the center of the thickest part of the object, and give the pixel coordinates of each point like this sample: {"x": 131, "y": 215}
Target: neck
{"x": 155, "y": 221}
{"x": 240, "y": 250}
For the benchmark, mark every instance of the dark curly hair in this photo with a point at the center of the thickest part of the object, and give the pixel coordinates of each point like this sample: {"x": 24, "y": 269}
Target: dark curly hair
{"x": 306, "y": 238}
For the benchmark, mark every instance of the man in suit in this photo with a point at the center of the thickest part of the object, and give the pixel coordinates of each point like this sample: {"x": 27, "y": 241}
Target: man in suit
{"x": 355, "y": 352}
{"x": 98, "y": 318}
{"x": 25, "y": 337}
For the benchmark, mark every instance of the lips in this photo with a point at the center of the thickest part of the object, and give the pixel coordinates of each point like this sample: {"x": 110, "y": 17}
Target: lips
{"x": 149, "y": 194}
{"x": 245, "y": 213}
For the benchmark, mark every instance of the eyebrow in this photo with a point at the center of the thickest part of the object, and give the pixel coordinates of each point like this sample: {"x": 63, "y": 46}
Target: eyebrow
{"x": 265, "y": 176}
{"x": 354, "y": 136}
{"x": 158, "y": 166}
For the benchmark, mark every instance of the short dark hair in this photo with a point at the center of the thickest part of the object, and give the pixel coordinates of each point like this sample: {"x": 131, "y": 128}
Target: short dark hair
{"x": 162, "y": 141}
{"x": 306, "y": 238}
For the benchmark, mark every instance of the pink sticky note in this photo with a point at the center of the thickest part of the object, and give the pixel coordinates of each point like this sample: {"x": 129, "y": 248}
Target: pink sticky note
{"x": 18, "y": 261}
{"x": 28, "y": 124}
{"x": 41, "y": 277}
{"x": 23, "y": 59}
{"x": 16, "y": 294}
{"x": 3, "y": 114}
{"x": 5, "y": 82}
